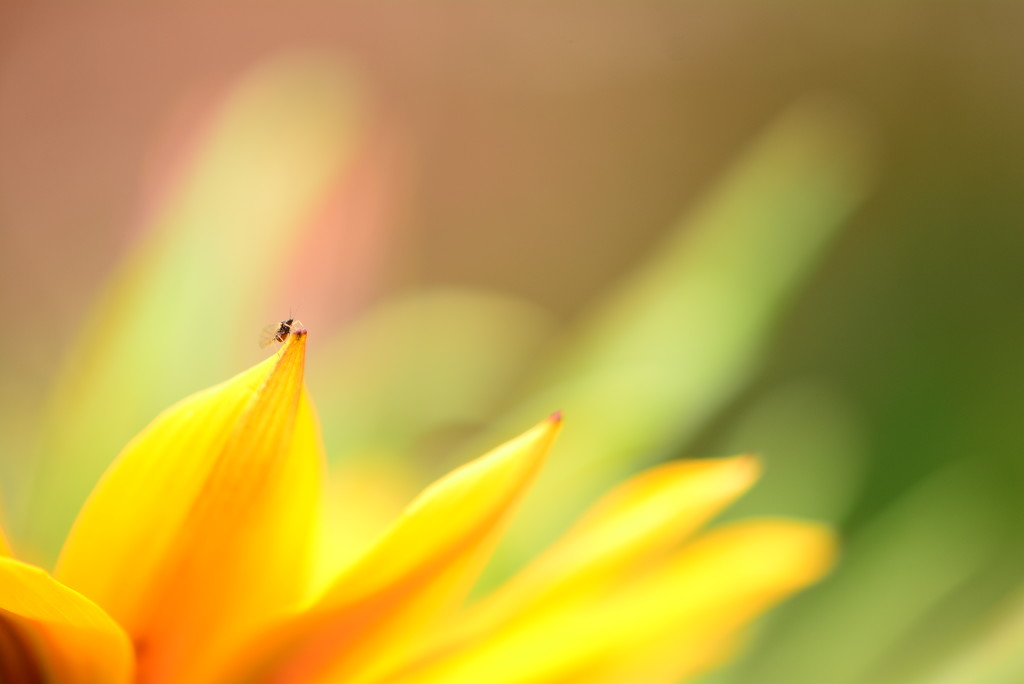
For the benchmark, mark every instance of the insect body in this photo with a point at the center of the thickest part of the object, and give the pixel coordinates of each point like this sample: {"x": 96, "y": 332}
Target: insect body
{"x": 284, "y": 330}
{"x": 281, "y": 333}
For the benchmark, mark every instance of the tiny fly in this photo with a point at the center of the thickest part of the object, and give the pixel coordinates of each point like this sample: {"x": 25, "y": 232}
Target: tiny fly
{"x": 280, "y": 334}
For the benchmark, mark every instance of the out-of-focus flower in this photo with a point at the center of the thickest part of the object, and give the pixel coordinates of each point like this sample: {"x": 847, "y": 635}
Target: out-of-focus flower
{"x": 193, "y": 562}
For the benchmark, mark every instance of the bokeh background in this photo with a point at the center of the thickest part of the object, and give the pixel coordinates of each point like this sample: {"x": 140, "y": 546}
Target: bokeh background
{"x": 699, "y": 229}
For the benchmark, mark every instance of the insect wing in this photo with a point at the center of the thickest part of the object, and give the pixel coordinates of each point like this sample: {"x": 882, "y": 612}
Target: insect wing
{"x": 269, "y": 334}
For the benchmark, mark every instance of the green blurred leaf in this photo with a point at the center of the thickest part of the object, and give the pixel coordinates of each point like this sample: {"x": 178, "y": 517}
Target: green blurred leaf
{"x": 672, "y": 344}
{"x": 995, "y": 656}
{"x": 424, "y": 361}
{"x": 812, "y": 447}
{"x": 210, "y": 260}
{"x": 891, "y": 577}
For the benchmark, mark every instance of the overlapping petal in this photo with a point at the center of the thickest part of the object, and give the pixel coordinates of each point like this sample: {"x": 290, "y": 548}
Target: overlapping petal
{"x": 629, "y": 529}
{"x": 417, "y": 572}
{"x": 678, "y": 619}
{"x": 50, "y": 633}
{"x": 199, "y": 534}
{"x": 197, "y": 541}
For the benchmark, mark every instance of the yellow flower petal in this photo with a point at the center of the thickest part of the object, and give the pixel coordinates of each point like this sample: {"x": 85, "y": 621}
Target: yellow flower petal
{"x": 672, "y": 623}
{"x": 200, "y": 532}
{"x": 49, "y": 632}
{"x": 635, "y": 524}
{"x": 418, "y": 571}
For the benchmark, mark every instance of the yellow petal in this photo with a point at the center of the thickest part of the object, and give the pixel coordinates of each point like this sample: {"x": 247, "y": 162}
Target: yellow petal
{"x": 49, "y": 632}
{"x": 364, "y": 496}
{"x": 418, "y": 571}
{"x": 672, "y": 623}
{"x": 635, "y": 524}
{"x": 200, "y": 532}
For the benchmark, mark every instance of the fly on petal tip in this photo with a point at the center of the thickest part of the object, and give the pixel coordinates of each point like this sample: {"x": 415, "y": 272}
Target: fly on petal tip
{"x": 283, "y": 332}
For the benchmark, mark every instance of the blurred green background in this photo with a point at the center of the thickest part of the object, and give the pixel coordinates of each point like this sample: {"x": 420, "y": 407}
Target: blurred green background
{"x": 697, "y": 229}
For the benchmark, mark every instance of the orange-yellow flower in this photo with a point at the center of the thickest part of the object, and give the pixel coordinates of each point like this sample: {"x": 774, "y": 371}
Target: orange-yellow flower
{"x": 192, "y": 562}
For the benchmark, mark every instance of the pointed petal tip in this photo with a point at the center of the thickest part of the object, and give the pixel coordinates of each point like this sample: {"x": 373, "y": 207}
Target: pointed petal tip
{"x": 555, "y": 417}
{"x": 735, "y": 473}
{"x": 749, "y": 464}
{"x": 811, "y": 547}
{"x": 294, "y": 347}
{"x": 296, "y": 338}
{"x": 238, "y": 468}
